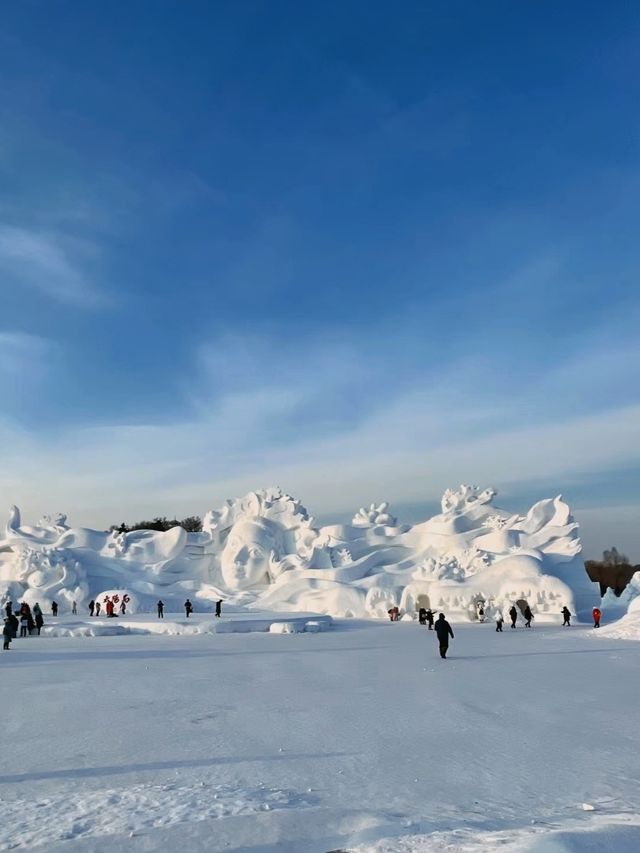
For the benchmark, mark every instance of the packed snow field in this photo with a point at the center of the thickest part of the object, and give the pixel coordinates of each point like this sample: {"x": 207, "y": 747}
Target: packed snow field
{"x": 359, "y": 738}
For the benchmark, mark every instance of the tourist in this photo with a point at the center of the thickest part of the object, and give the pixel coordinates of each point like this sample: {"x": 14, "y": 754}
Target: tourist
{"x": 74, "y": 608}
{"x": 123, "y": 605}
{"x": 430, "y": 618}
{"x": 7, "y": 633}
{"x": 54, "y": 608}
{"x": 8, "y": 608}
{"x": 513, "y": 615}
{"x": 13, "y": 621}
{"x": 499, "y": 622}
{"x": 188, "y": 608}
{"x": 24, "y": 626}
{"x": 528, "y": 616}
{"x": 92, "y": 607}
{"x": 566, "y": 615}
{"x": 443, "y": 630}
{"x": 109, "y": 607}
{"x": 597, "y": 613}
{"x": 422, "y": 616}
{"x": 97, "y": 608}
{"x": 481, "y": 613}
{"x": 160, "y": 609}
{"x": 219, "y": 608}
{"x": 37, "y": 612}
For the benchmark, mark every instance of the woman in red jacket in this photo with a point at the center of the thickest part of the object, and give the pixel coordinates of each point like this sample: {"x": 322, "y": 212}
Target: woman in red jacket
{"x": 596, "y": 617}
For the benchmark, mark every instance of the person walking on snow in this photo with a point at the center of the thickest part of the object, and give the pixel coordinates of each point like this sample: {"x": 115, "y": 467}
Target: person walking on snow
{"x": 513, "y": 615}
{"x": 443, "y": 630}
{"x": 74, "y": 608}
{"x": 54, "y": 608}
{"x": 7, "y": 633}
{"x": 219, "y": 608}
{"x": 98, "y": 605}
{"x": 160, "y": 609}
{"x": 188, "y": 608}
{"x": 528, "y": 616}
{"x": 123, "y": 606}
{"x": 24, "y": 623}
{"x": 596, "y": 617}
{"x": 499, "y": 622}
{"x": 8, "y": 608}
{"x": 92, "y": 607}
{"x": 430, "y": 618}
{"x": 566, "y": 615}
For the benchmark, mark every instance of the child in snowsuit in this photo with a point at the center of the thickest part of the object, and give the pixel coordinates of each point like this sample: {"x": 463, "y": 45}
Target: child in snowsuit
{"x": 566, "y": 616}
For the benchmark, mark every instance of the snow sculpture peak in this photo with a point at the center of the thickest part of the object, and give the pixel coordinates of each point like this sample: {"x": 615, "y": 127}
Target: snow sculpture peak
{"x": 459, "y": 500}
{"x": 375, "y": 514}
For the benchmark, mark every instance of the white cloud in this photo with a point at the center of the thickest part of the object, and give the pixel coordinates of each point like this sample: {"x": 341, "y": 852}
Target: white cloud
{"x": 303, "y": 421}
{"x": 42, "y": 261}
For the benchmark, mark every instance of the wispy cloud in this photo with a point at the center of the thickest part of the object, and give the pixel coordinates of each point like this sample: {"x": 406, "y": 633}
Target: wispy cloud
{"x": 43, "y": 261}
{"x": 293, "y": 427}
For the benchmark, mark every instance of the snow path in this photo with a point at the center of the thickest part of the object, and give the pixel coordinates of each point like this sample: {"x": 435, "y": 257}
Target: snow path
{"x": 359, "y": 739}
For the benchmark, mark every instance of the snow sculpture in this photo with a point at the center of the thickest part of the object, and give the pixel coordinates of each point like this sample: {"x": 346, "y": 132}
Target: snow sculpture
{"x": 376, "y": 514}
{"x": 265, "y": 551}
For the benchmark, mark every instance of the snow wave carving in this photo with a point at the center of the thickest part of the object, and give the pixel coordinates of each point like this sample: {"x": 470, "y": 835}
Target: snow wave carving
{"x": 265, "y": 551}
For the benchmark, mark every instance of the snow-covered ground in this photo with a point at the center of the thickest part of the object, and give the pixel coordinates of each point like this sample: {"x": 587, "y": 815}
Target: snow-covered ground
{"x": 359, "y": 738}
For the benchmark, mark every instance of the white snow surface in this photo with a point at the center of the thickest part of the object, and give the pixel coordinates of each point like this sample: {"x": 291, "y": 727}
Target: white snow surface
{"x": 357, "y": 739}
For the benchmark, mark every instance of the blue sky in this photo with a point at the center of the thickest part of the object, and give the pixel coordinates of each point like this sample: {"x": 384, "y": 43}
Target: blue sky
{"x": 361, "y": 250}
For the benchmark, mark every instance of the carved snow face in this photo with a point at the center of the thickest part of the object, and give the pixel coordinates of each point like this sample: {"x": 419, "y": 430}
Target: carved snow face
{"x": 245, "y": 558}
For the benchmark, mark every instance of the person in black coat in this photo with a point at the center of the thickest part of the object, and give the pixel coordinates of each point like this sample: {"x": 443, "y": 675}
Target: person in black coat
{"x": 430, "y": 618}
{"x": 188, "y": 608}
{"x": 219, "y": 608}
{"x": 566, "y": 615}
{"x": 7, "y": 634}
{"x": 528, "y": 616}
{"x": 92, "y": 607}
{"x": 443, "y": 630}
{"x": 54, "y": 608}
{"x": 422, "y": 616}
{"x": 8, "y": 608}
{"x": 160, "y": 609}
{"x": 513, "y": 615}
{"x": 499, "y": 622}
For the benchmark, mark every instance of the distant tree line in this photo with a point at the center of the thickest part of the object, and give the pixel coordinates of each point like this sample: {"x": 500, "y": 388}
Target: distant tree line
{"x": 613, "y": 571}
{"x": 192, "y": 524}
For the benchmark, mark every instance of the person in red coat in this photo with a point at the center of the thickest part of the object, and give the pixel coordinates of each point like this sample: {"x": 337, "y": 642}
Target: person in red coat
{"x": 596, "y": 612}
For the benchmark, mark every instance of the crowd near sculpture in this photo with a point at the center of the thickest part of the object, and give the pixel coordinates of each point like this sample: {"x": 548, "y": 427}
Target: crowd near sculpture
{"x": 265, "y": 551}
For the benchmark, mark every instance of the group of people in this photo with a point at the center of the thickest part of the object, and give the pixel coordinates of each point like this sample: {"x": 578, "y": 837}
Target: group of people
{"x": 26, "y": 620}
{"x": 111, "y": 603}
{"x": 188, "y": 608}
